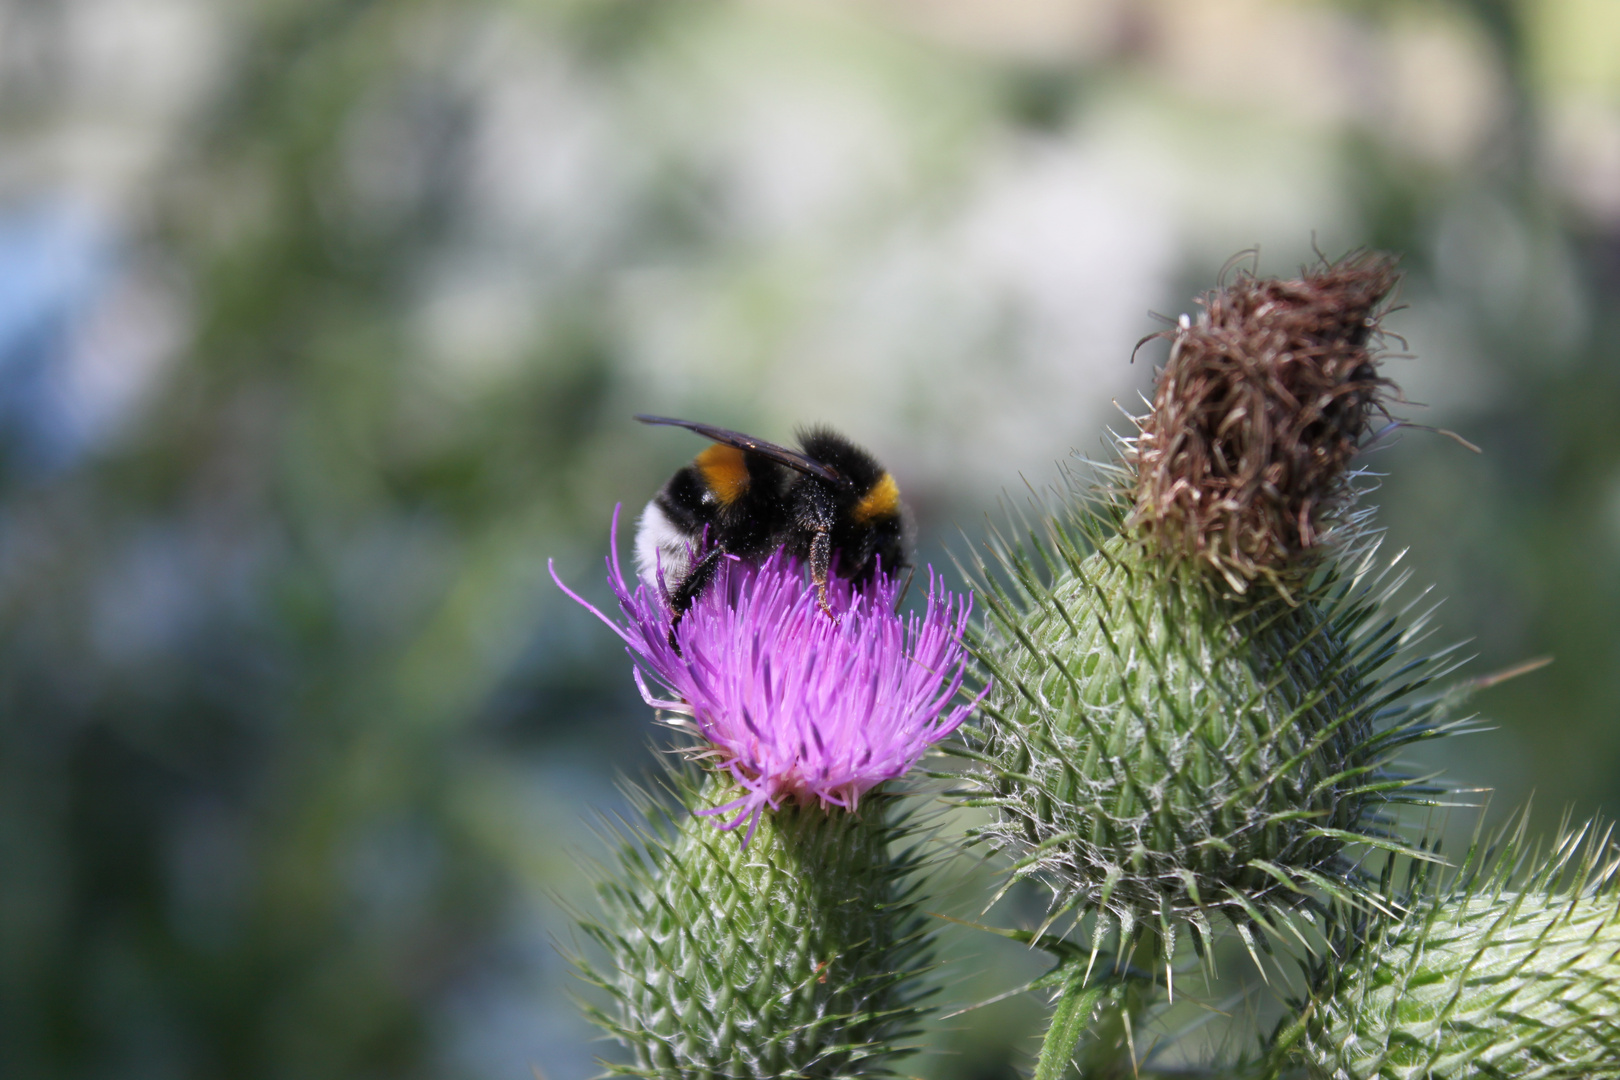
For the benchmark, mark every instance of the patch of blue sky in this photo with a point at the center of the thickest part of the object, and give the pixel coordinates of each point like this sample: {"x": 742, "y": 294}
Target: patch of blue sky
{"x": 57, "y": 260}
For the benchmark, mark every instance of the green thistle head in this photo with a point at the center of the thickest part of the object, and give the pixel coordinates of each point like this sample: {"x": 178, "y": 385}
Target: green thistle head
{"x": 1194, "y": 706}
{"x": 1492, "y": 971}
{"x": 797, "y": 955}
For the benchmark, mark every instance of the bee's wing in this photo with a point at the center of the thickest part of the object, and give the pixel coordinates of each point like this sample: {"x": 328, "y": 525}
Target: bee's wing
{"x": 780, "y": 454}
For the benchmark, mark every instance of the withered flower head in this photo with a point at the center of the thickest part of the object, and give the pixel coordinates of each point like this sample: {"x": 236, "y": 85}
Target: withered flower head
{"x": 1244, "y": 461}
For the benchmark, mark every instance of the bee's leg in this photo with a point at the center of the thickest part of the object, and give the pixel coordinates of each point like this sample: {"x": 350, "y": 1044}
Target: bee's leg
{"x": 821, "y": 565}
{"x": 812, "y": 515}
{"x": 691, "y": 587}
{"x": 911, "y": 572}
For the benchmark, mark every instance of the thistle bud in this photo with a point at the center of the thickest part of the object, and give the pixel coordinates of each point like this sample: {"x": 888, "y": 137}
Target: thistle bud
{"x": 1195, "y": 708}
{"x": 1488, "y": 975}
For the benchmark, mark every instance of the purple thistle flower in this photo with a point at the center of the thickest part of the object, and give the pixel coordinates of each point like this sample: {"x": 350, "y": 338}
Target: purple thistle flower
{"x": 794, "y": 704}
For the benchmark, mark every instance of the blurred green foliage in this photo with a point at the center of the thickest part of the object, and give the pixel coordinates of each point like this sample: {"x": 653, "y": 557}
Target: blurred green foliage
{"x": 299, "y": 748}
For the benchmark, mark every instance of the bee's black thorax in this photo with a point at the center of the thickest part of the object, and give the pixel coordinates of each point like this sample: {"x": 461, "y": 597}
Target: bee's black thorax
{"x": 858, "y": 470}
{"x": 850, "y": 526}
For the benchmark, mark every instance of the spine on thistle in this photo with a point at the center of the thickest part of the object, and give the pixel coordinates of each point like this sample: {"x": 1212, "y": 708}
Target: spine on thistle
{"x": 762, "y": 923}
{"x": 1197, "y": 688}
{"x": 1509, "y": 966}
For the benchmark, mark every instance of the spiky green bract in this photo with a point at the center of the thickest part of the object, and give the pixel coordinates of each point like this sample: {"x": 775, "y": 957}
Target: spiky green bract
{"x": 798, "y": 955}
{"x": 1158, "y": 749}
{"x": 1508, "y": 968}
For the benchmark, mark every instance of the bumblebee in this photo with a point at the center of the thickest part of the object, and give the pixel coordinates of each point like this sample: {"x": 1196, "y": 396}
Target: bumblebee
{"x": 829, "y": 503}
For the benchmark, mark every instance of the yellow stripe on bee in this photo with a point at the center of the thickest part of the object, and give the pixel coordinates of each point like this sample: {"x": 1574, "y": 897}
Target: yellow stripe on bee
{"x": 881, "y": 502}
{"x": 725, "y": 472}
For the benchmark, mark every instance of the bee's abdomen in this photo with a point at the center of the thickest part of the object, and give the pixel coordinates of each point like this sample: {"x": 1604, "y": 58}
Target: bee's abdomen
{"x": 672, "y": 529}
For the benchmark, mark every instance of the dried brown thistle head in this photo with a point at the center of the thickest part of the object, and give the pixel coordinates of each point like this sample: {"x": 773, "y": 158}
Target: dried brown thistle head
{"x": 1243, "y": 462}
